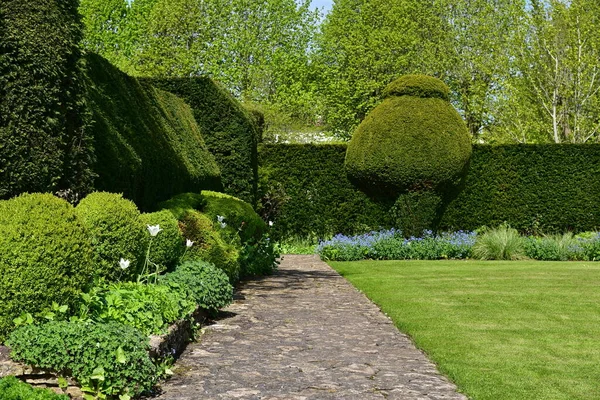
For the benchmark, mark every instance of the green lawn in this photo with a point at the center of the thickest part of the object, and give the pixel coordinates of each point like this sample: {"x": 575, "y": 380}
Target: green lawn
{"x": 500, "y": 330}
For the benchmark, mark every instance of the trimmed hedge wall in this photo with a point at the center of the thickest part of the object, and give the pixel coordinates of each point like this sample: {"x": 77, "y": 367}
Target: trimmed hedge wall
{"x": 305, "y": 191}
{"x": 44, "y": 133}
{"x": 148, "y": 145}
{"x": 532, "y": 187}
{"x": 229, "y": 130}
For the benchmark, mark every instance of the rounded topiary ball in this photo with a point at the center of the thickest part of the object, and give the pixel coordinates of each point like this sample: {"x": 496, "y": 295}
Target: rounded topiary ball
{"x": 413, "y": 140}
{"x": 169, "y": 245}
{"x": 45, "y": 256}
{"x": 116, "y": 231}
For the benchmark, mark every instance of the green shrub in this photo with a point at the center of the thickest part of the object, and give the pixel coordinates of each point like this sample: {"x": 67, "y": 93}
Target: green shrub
{"x": 148, "y": 145}
{"x": 210, "y": 244}
{"x": 502, "y": 243}
{"x": 111, "y": 359}
{"x": 116, "y": 231}
{"x": 148, "y": 308}
{"x": 182, "y": 203}
{"x": 13, "y": 389}
{"x": 409, "y": 142}
{"x": 45, "y": 256}
{"x": 168, "y": 246}
{"x": 228, "y": 130}
{"x": 44, "y": 123}
{"x": 415, "y": 212}
{"x": 206, "y": 284}
{"x": 554, "y": 248}
{"x": 259, "y": 257}
{"x": 238, "y": 214}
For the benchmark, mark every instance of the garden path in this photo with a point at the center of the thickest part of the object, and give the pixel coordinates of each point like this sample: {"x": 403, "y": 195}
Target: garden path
{"x": 304, "y": 333}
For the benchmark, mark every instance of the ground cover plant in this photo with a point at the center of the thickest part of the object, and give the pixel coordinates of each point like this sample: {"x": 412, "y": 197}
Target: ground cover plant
{"x": 13, "y": 389}
{"x": 498, "y": 329}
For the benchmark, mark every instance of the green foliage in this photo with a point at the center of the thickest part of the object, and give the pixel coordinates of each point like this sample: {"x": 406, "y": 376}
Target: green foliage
{"x": 502, "y": 243}
{"x": 109, "y": 359}
{"x": 183, "y": 202}
{"x": 415, "y": 212}
{"x": 210, "y": 243}
{"x": 148, "y": 308}
{"x": 417, "y": 86}
{"x": 206, "y": 284}
{"x": 45, "y": 256}
{"x": 408, "y": 142}
{"x": 148, "y": 145}
{"x": 116, "y": 231}
{"x": 259, "y": 257}
{"x": 13, "y": 389}
{"x": 552, "y": 188}
{"x": 228, "y": 130}
{"x": 238, "y": 215}
{"x": 306, "y": 192}
{"x": 44, "y": 128}
{"x": 168, "y": 246}
{"x": 554, "y": 248}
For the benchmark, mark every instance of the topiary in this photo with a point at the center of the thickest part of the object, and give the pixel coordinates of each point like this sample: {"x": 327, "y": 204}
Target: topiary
{"x": 415, "y": 212}
{"x": 238, "y": 214}
{"x": 116, "y": 231}
{"x": 168, "y": 246}
{"x": 209, "y": 244}
{"x": 13, "y": 389}
{"x": 183, "y": 202}
{"x": 413, "y": 140}
{"x": 45, "y": 256}
{"x": 206, "y": 284}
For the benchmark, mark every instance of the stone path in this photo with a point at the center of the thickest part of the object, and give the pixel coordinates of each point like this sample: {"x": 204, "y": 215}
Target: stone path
{"x": 304, "y": 333}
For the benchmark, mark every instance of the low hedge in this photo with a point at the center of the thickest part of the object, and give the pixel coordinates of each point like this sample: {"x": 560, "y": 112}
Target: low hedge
{"x": 542, "y": 188}
{"x": 148, "y": 145}
{"x": 229, "y": 131}
{"x": 45, "y": 256}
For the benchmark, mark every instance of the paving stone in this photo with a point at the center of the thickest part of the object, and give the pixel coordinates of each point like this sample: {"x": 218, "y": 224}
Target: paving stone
{"x": 305, "y": 333}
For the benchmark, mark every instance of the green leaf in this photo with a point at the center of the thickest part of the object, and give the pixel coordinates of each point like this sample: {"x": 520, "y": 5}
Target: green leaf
{"x": 121, "y": 356}
{"x": 98, "y": 374}
{"x": 62, "y": 382}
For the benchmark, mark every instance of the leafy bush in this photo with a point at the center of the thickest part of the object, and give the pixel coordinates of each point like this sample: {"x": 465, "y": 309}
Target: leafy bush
{"x": 148, "y": 144}
{"x": 44, "y": 123}
{"x": 502, "y": 243}
{"x": 110, "y": 359}
{"x": 211, "y": 245}
{"x": 259, "y": 257}
{"x": 413, "y": 140}
{"x": 13, "y": 389}
{"x": 391, "y": 245}
{"x": 206, "y": 284}
{"x": 554, "y": 248}
{"x": 45, "y": 256}
{"x": 168, "y": 246}
{"x": 148, "y": 308}
{"x": 238, "y": 214}
{"x": 116, "y": 231}
{"x": 228, "y": 130}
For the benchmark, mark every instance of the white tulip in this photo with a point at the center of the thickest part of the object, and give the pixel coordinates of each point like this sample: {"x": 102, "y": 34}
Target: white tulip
{"x": 223, "y": 225}
{"x": 124, "y": 264}
{"x": 154, "y": 229}
{"x": 189, "y": 243}
{"x": 270, "y": 223}
{"x": 220, "y": 218}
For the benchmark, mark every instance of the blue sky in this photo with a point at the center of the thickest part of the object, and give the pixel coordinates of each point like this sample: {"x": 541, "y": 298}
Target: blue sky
{"x": 322, "y": 3}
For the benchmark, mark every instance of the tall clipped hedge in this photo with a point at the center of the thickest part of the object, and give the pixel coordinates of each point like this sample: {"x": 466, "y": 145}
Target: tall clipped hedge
{"x": 229, "y": 130}
{"x": 305, "y": 190}
{"x": 555, "y": 187}
{"x": 543, "y": 187}
{"x": 44, "y": 137}
{"x": 148, "y": 145}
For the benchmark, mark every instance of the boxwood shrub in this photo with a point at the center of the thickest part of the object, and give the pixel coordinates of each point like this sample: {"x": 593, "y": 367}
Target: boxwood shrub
{"x": 116, "y": 231}
{"x": 168, "y": 246}
{"x": 45, "y": 256}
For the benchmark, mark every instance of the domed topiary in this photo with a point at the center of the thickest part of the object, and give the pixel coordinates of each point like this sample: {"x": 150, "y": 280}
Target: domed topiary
{"x": 45, "y": 256}
{"x": 116, "y": 231}
{"x": 168, "y": 246}
{"x": 209, "y": 244}
{"x": 413, "y": 140}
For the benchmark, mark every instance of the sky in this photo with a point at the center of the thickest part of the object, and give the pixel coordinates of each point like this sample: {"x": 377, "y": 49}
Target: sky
{"x": 322, "y": 3}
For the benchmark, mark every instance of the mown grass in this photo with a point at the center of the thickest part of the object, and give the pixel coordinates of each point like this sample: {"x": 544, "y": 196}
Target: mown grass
{"x": 501, "y": 330}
